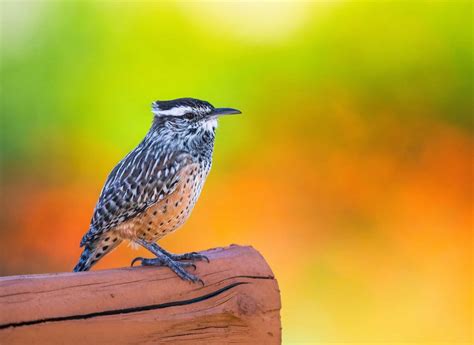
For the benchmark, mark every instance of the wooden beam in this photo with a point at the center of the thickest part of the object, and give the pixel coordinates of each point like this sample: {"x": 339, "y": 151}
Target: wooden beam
{"x": 239, "y": 303}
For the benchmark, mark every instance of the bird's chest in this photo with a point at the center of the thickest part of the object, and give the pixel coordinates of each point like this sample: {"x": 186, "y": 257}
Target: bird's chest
{"x": 171, "y": 212}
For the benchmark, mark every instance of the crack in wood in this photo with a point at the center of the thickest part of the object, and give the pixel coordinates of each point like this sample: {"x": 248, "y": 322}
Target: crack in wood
{"x": 128, "y": 310}
{"x": 47, "y": 291}
{"x": 206, "y": 328}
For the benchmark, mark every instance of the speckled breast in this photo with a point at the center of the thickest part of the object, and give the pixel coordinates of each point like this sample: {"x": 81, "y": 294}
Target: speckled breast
{"x": 170, "y": 213}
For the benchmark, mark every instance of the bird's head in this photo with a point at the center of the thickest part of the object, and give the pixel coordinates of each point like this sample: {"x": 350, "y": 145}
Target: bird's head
{"x": 189, "y": 112}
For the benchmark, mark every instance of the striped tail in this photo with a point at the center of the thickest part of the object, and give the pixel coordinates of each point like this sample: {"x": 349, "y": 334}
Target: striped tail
{"x": 85, "y": 261}
{"x": 93, "y": 252}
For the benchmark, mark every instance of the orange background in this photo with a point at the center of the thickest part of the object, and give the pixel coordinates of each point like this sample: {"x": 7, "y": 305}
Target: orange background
{"x": 350, "y": 168}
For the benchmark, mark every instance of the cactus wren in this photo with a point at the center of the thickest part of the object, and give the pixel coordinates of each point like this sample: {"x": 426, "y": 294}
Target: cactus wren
{"x": 152, "y": 191}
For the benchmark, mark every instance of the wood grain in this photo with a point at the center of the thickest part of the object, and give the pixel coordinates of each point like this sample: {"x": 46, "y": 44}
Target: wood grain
{"x": 240, "y": 303}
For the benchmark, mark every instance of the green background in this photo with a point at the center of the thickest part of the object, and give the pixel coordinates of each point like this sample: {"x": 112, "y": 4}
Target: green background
{"x": 350, "y": 168}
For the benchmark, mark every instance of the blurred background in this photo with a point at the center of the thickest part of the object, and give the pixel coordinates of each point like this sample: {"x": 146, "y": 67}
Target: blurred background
{"x": 350, "y": 170}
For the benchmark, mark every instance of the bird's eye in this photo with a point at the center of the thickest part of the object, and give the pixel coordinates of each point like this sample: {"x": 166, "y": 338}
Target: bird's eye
{"x": 188, "y": 116}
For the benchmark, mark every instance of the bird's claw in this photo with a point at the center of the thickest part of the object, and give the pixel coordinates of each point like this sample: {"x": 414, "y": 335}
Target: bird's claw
{"x": 193, "y": 256}
{"x": 138, "y": 258}
{"x": 197, "y": 256}
{"x": 176, "y": 266}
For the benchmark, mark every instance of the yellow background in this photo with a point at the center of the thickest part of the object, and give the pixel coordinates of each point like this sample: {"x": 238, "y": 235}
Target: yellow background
{"x": 350, "y": 168}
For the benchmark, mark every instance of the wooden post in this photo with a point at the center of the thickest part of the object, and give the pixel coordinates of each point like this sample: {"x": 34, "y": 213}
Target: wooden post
{"x": 239, "y": 303}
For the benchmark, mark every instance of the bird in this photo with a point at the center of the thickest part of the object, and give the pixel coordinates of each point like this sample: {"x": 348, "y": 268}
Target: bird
{"x": 151, "y": 192}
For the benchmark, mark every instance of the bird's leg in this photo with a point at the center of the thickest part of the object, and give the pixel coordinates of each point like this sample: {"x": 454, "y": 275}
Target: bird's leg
{"x": 164, "y": 260}
{"x": 193, "y": 256}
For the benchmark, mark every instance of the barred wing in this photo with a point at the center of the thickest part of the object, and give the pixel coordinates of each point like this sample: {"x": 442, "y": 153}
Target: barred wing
{"x": 141, "y": 179}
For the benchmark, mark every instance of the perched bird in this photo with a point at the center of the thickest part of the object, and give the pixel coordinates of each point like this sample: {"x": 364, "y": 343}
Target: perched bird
{"x": 152, "y": 191}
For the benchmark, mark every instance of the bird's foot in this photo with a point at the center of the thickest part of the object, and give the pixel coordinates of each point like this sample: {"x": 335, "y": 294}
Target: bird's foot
{"x": 193, "y": 256}
{"x": 176, "y": 266}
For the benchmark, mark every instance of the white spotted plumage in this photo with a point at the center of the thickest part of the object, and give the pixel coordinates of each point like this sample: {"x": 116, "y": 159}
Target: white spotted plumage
{"x": 180, "y": 136}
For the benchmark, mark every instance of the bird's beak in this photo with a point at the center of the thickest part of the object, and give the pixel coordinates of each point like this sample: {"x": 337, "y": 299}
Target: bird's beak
{"x": 224, "y": 111}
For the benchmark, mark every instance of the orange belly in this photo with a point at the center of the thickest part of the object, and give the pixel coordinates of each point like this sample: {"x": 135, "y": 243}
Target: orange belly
{"x": 168, "y": 214}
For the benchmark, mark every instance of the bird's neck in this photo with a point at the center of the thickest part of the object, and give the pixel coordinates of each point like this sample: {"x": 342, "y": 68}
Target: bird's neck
{"x": 202, "y": 140}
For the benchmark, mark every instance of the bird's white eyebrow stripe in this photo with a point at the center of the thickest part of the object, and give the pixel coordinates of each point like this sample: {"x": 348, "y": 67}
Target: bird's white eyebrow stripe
{"x": 176, "y": 111}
